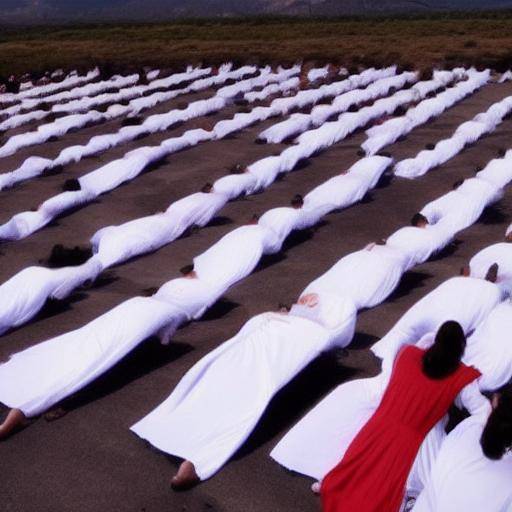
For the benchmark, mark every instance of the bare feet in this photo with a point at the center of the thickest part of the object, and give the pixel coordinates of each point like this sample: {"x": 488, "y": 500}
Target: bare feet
{"x": 316, "y": 487}
{"x": 14, "y": 421}
{"x": 185, "y": 478}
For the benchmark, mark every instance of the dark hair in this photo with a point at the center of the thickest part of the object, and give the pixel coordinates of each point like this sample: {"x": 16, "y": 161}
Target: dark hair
{"x": 418, "y": 218}
{"x": 496, "y": 438}
{"x": 502, "y": 152}
{"x": 492, "y": 273}
{"x": 430, "y": 146}
{"x": 62, "y": 256}
{"x": 237, "y": 169}
{"x": 443, "y": 357}
{"x": 297, "y": 201}
{"x": 254, "y": 219}
{"x": 283, "y": 306}
{"x": 187, "y": 269}
{"x": 71, "y": 185}
{"x": 207, "y": 188}
{"x": 457, "y": 184}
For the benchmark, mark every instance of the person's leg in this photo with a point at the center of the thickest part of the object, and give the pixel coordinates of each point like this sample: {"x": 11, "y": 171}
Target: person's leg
{"x": 186, "y": 477}
{"x": 15, "y": 419}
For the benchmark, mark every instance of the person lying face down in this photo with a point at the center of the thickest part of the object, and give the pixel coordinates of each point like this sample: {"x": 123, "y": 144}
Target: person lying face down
{"x": 367, "y": 276}
{"x": 212, "y": 411}
{"x": 501, "y": 254}
{"x": 38, "y": 378}
{"x": 473, "y": 468}
{"x": 419, "y": 241}
{"x": 467, "y": 300}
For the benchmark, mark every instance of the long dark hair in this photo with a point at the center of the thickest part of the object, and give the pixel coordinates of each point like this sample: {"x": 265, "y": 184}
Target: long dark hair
{"x": 496, "y": 438}
{"x": 444, "y": 356}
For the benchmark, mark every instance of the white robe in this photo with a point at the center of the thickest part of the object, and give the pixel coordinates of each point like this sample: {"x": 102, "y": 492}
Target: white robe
{"x": 23, "y": 296}
{"x": 418, "y": 244}
{"x": 115, "y": 244}
{"x": 498, "y": 171}
{"x": 235, "y": 185}
{"x": 279, "y": 223}
{"x": 367, "y": 276}
{"x": 489, "y": 349}
{"x": 233, "y": 257}
{"x": 500, "y": 253}
{"x": 463, "y": 478}
{"x": 37, "y": 378}
{"x": 466, "y": 300}
{"x": 215, "y": 406}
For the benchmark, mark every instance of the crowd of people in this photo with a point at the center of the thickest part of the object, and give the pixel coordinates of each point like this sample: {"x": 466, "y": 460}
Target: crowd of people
{"x": 376, "y": 444}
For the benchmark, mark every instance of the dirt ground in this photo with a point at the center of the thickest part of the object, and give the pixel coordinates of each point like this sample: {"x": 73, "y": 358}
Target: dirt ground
{"x": 89, "y": 461}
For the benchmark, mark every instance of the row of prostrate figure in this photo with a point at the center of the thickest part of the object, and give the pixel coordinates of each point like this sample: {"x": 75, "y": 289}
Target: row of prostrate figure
{"x": 194, "y": 423}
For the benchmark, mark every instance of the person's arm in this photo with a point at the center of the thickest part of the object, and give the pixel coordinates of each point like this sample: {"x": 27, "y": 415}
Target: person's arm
{"x": 471, "y": 399}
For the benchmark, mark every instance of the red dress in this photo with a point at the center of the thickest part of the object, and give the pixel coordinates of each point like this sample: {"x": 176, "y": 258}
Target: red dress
{"x": 373, "y": 473}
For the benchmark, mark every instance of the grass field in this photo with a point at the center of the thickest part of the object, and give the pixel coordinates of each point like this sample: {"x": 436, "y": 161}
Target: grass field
{"x": 479, "y": 39}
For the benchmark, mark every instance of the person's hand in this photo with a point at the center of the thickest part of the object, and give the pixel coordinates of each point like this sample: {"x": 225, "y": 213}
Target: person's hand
{"x": 310, "y": 300}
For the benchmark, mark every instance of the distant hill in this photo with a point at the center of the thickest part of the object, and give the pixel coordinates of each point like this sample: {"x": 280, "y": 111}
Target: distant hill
{"x": 87, "y": 10}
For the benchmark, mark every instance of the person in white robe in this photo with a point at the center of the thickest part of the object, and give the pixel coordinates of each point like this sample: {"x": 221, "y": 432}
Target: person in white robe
{"x": 489, "y": 349}
{"x": 472, "y": 471}
{"x": 500, "y": 253}
{"x": 367, "y": 276}
{"x": 116, "y": 244}
{"x": 34, "y": 380}
{"x": 235, "y": 185}
{"x": 24, "y": 294}
{"x": 420, "y": 240}
{"x": 215, "y": 406}
{"x": 498, "y": 171}
{"x": 466, "y": 300}
{"x": 319, "y": 441}
{"x": 465, "y": 203}
{"x": 233, "y": 257}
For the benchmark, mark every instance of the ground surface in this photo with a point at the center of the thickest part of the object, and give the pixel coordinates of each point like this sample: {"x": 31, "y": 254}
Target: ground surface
{"x": 88, "y": 461}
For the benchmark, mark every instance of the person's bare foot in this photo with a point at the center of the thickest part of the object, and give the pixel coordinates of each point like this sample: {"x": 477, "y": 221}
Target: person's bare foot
{"x": 185, "y": 478}
{"x": 55, "y": 414}
{"x": 14, "y": 421}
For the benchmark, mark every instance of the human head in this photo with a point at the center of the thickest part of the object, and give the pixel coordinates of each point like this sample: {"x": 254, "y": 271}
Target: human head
{"x": 207, "y": 188}
{"x": 283, "y": 308}
{"x": 502, "y": 152}
{"x": 443, "y": 357}
{"x": 430, "y": 146}
{"x": 297, "y": 201}
{"x": 418, "y": 220}
{"x": 254, "y": 219}
{"x": 465, "y": 271}
{"x": 237, "y": 169}
{"x": 496, "y": 437}
{"x": 492, "y": 273}
{"x": 187, "y": 270}
{"x": 71, "y": 185}
{"x": 61, "y": 256}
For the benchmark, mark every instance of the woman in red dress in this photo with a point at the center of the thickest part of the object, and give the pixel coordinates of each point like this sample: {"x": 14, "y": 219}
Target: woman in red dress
{"x": 372, "y": 475}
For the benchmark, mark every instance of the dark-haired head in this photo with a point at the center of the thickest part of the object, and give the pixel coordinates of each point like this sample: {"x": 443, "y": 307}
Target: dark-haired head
{"x": 283, "y": 308}
{"x": 207, "y": 188}
{"x": 502, "y": 152}
{"x": 496, "y": 439}
{"x": 418, "y": 220}
{"x": 297, "y": 201}
{"x": 237, "y": 169}
{"x": 430, "y": 146}
{"x": 61, "y": 256}
{"x": 254, "y": 219}
{"x": 187, "y": 269}
{"x": 492, "y": 273}
{"x": 71, "y": 185}
{"x": 443, "y": 357}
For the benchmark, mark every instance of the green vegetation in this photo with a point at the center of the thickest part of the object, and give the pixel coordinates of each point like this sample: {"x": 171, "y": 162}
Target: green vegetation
{"x": 483, "y": 39}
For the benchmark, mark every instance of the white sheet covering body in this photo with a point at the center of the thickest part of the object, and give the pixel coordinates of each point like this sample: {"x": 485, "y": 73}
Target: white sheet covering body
{"x": 489, "y": 348}
{"x": 466, "y": 300}
{"x": 40, "y": 376}
{"x": 463, "y": 478}
{"x": 367, "y": 276}
{"x": 500, "y": 253}
{"x": 215, "y": 406}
